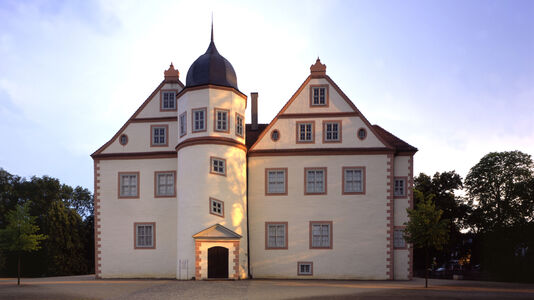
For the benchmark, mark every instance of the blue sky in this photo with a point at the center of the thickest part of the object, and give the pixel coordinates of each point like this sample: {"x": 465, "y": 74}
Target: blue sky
{"x": 453, "y": 78}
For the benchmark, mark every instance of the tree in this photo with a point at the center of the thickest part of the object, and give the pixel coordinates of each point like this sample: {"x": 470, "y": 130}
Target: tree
{"x": 500, "y": 191}
{"x": 20, "y": 233}
{"x": 425, "y": 228}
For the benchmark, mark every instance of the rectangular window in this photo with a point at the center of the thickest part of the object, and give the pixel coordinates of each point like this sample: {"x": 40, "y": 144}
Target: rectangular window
{"x": 128, "y": 185}
{"x": 319, "y": 95}
{"x": 276, "y": 181}
{"x": 399, "y": 189}
{"x": 165, "y": 184}
{"x": 305, "y": 132}
{"x": 398, "y": 238}
{"x": 168, "y": 100}
{"x": 305, "y": 268}
{"x": 183, "y": 124}
{"x": 275, "y": 235}
{"x": 315, "y": 180}
{"x": 221, "y": 120}
{"x": 239, "y": 120}
{"x": 218, "y": 166}
{"x": 199, "y": 119}
{"x": 159, "y": 135}
{"x": 332, "y": 131}
{"x": 353, "y": 180}
{"x": 320, "y": 235}
{"x": 216, "y": 207}
{"x": 145, "y": 235}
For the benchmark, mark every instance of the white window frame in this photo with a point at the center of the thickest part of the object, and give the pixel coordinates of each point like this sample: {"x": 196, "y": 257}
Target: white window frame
{"x": 239, "y": 122}
{"x": 157, "y": 132}
{"x": 276, "y": 181}
{"x": 399, "y": 187}
{"x": 350, "y": 183}
{"x": 216, "y": 207}
{"x": 128, "y": 184}
{"x": 321, "y": 235}
{"x": 149, "y": 243}
{"x": 165, "y": 101}
{"x": 398, "y": 238}
{"x": 330, "y": 131}
{"x": 276, "y": 235}
{"x": 198, "y": 120}
{"x": 306, "y": 132}
{"x": 218, "y": 165}
{"x": 169, "y": 185}
{"x": 221, "y": 121}
{"x": 311, "y": 181}
{"x": 183, "y": 124}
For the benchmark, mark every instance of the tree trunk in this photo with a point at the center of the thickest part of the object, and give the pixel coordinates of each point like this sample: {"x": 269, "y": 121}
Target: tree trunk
{"x": 426, "y": 268}
{"x": 18, "y": 270}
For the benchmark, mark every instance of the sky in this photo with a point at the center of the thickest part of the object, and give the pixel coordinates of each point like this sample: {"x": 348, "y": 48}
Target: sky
{"x": 453, "y": 78}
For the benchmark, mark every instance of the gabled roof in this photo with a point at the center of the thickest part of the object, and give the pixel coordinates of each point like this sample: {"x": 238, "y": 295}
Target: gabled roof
{"x": 400, "y": 145}
{"x": 217, "y": 231}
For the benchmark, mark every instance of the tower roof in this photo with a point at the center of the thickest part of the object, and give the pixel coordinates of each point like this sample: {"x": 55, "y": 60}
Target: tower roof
{"x": 211, "y": 68}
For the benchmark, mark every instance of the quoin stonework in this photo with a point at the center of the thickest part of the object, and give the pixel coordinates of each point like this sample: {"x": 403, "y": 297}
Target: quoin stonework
{"x": 186, "y": 189}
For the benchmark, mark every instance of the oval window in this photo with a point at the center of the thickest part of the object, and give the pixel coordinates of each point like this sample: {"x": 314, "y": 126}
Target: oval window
{"x": 123, "y": 139}
{"x": 275, "y": 135}
{"x": 362, "y": 133}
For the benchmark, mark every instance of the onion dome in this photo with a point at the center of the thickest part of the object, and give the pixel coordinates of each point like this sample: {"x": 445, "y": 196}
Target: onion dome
{"x": 211, "y": 68}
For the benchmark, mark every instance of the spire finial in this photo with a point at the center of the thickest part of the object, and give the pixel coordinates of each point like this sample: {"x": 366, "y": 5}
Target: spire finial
{"x": 211, "y": 26}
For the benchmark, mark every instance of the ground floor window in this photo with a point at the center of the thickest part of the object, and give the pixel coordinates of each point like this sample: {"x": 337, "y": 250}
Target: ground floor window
{"x": 145, "y": 235}
{"x": 305, "y": 268}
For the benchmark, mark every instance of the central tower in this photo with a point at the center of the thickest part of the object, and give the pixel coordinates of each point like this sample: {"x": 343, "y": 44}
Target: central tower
{"x": 212, "y": 224}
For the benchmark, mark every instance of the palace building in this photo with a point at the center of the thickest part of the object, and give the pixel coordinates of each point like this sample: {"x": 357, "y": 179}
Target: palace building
{"x": 185, "y": 189}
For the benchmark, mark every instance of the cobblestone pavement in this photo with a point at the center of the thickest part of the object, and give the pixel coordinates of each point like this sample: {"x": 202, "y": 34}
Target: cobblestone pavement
{"x": 86, "y": 287}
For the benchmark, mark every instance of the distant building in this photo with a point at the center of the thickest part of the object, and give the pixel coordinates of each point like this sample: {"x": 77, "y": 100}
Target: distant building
{"x": 186, "y": 190}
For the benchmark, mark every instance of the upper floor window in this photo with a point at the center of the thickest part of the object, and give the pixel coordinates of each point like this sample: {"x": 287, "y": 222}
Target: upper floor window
{"x": 218, "y": 166}
{"x": 199, "y": 119}
{"x": 353, "y": 180}
{"x": 239, "y": 121}
{"x": 321, "y": 235}
{"x": 276, "y": 181}
{"x": 165, "y": 184}
{"x": 275, "y": 135}
{"x": 216, "y": 207}
{"x": 399, "y": 189}
{"x": 168, "y": 100}
{"x": 221, "y": 120}
{"x": 319, "y": 95}
{"x": 159, "y": 135}
{"x": 305, "y": 132}
{"x": 362, "y": 134}
{"x": 276, "y": 235}
{"x": 398, "y": 238}
{"x": 145, "y": 235}
{"x": 315, "y": 180}
{"x": 332, "y": 131}
{"x": 183, "y": 124}
{"x": 128, "y": 185}
{"x": 123, "y": 139}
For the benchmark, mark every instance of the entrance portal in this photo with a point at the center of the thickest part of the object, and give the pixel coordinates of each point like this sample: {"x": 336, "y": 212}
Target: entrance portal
{"x": 217, "y": 262}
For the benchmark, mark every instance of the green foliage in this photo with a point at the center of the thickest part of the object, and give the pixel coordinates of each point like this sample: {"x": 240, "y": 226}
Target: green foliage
{"x": 500, "y": 191}
{"x": 425, "y": 228}
{"x": 20, "y": 234}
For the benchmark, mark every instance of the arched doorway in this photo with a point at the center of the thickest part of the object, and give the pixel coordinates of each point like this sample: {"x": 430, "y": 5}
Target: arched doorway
{"x": 217, "y": 262}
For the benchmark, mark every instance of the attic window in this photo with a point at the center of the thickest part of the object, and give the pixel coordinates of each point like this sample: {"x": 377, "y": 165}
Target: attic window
{"x": 123, "y": 139}
{"x": 319, "y": 95}
{"x": 168, "y": 100}
{"x": 275, "y": 135}
{"x": 362, "y": 133}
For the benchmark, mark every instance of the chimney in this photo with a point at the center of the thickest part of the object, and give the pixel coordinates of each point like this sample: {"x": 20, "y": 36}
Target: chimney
{"x": 254, "y": 110}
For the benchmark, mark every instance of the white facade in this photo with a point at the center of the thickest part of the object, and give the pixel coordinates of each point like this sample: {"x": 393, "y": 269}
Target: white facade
{"x": 323, "y": 207}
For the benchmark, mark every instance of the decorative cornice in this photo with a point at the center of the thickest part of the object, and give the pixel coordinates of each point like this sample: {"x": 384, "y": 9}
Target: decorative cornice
{"x": 135, "y": 155}
{"x": 213, "y": 140}
{"x": 150, "y": 120}
{"x": 320, "y": 151}
{"x": 318, "y": 115}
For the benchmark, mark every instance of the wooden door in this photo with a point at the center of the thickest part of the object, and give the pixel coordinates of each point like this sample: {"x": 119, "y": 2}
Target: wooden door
{"x": 217, "y": 262}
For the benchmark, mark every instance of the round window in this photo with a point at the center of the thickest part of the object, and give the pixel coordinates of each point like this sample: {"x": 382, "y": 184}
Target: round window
{"x": 123, "y": 139}
{"x": 275, "y": 135}
{"x": 362, "y": 133}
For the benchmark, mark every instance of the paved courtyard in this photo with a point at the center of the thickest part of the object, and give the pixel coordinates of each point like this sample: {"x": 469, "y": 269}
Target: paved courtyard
{"x": 86, "y": 287}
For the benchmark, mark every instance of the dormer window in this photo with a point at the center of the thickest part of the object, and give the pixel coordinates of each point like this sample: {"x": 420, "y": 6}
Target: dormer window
{"x": 168, "y": 100}
{"x": 319, "y": 95}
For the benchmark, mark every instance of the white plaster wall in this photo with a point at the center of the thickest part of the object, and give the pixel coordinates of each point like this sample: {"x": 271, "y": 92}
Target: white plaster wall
{"x": 359, "y": 221}
{"x": 152, "y": 109}
{"x": 401, "y": 168}
{"x": 212, "y": 98}
{"x": 301, "y": 104}
{"x": 288, "y": 135}
{"x": 401, "y": 266}
{"x": 139, "y": 138}
{"x": 119, "y": 258}
{"x": 195, "y": 188}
